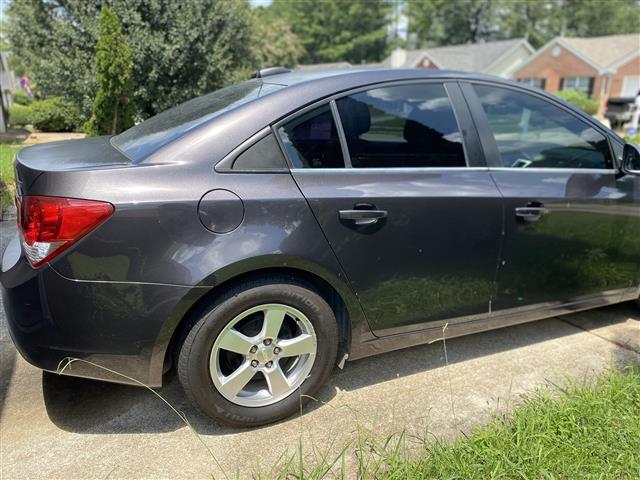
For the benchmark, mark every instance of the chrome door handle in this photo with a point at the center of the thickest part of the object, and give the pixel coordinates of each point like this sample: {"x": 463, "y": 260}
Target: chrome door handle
{"x": 531, "y": 214}
{"x": 362, "y": 217}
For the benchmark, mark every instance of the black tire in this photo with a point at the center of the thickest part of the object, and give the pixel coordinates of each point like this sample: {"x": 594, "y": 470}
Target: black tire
{"x": 193, "y": 361}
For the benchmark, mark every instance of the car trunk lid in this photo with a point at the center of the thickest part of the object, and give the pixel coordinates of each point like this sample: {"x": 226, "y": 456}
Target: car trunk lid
{"x": 68, "y": 155}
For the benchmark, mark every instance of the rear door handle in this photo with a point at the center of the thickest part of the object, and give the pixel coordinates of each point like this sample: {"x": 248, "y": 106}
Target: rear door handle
{"x": 531, "y": 214}
{"x": 362, "y": 217}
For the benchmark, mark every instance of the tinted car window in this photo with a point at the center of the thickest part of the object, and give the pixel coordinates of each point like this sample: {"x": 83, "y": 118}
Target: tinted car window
{"x": 145, "y": 138}
{"x": 311, "y": 140}
{"x": 531, "y": 132}
{"x": 265, "y": 154}
{"x": 402, "y": 126}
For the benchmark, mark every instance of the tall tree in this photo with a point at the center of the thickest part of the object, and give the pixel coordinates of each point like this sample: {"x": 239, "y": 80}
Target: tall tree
{"x": 179, "y": 49}
{"x": 538, "y": 21}
{"x": 452, "y": 22}
{"x": 274, "y": 43}
{"x": 592, "y": 18}
{"x": 113, "y": 108}
{"x": 425, "y": 25}
{"x": 448, "y": 22}
{"x": 338, "y": 30}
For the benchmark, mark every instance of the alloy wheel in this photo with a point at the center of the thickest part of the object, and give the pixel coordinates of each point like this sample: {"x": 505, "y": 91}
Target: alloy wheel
{"x": 263, "y": 355}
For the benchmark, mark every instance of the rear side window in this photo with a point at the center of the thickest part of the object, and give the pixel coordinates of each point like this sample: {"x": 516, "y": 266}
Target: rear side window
{"x": 533, "y": 133}
{"x": 311, "y": 140}
{"x": 265, "y": 154}
{"x": 402, "y": 126}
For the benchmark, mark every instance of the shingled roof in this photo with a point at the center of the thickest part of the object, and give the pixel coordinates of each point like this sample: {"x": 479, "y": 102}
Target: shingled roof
{"x": 603, "y": 51}
{"x": 473, "y": 57}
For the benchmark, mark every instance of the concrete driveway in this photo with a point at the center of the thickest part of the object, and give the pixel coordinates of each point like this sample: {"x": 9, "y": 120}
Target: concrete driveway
{"x": 58, "y": 427}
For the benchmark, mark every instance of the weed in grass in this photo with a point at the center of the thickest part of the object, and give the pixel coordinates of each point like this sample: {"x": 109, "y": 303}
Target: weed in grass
{"x": 7, "y": 180}
{"x": 67, "y": 362}
{"x": 590, "y": 429}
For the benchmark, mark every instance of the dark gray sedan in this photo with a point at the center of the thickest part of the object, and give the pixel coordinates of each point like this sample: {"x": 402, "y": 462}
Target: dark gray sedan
{"x": 256, "y": 236}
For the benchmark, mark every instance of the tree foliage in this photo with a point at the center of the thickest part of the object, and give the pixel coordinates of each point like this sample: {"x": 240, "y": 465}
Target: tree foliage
{"x": 450, "y": 22}
{"x": 179, "y": 49}
{"x": 273, "y": 42}
{"x": 338, "y": 30}
{"x": 114, "y": 107}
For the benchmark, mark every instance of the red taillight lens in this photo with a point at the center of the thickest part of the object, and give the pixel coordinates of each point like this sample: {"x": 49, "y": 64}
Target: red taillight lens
{"x": 49, "y": 225}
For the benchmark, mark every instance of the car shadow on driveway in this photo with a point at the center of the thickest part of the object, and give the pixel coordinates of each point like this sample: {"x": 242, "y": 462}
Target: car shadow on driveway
{"x": 87, "y": 406}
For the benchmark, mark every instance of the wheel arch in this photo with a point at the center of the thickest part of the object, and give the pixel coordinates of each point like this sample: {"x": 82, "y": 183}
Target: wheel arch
{"x": 334, "y": 290}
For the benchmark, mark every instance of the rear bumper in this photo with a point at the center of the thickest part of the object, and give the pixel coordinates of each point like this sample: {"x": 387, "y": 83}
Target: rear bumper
{"x": 123, "y": 327}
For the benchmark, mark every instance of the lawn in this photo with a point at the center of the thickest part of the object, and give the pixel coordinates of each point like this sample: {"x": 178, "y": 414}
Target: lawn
{"x": 7, "y": 182}
{"x": 588, "y": 430}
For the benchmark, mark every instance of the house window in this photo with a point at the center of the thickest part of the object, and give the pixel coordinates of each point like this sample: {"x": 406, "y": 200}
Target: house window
{"x": 582, "y": 84}
{"x": 534, "y": 82}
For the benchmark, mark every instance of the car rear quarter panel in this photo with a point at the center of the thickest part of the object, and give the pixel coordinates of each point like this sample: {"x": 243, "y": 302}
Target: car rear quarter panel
{"x": 140, "y": 272}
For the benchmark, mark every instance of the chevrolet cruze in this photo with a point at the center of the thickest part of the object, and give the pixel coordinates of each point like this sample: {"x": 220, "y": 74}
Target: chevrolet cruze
{"x": 259, "y": 235}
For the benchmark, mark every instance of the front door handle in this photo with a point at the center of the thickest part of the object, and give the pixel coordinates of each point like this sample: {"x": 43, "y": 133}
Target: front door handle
{"x": 362, "y": 216}
{"x": 531, "y": 213}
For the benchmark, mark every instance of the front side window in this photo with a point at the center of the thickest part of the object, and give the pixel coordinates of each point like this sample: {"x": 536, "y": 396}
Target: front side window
{"x": 311, "y": 140}
{"x": 401, "y": 126}
{"x": 533, "y": 133}
{"x": 582, "y": 84}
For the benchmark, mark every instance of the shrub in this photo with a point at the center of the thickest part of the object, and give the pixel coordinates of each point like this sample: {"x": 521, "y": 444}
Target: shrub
{"x": 55, "y": 115}
{"x": 21, "y": 98}
{"x": 581, "y": 100}
{"x": 113, "y": 108}
{"x": 20, "y": 115}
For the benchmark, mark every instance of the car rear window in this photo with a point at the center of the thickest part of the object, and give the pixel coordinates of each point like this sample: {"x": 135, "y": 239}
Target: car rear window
{"x": 145, "y": 138}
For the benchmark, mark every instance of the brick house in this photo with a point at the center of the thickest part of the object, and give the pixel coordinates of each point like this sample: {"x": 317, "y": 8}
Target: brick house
{"x": 603, "y": 67}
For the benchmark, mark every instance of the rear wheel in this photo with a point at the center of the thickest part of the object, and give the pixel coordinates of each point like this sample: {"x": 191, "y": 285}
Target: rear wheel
{"x": 260, "y": 351}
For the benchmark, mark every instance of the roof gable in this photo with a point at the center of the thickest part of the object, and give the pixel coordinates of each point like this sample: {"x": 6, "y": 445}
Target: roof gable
{"x": 604, "y": 51}
{"x": 612, "y": 50}
{"x": 477, "y": 57}
{"x": 473, "y": 57}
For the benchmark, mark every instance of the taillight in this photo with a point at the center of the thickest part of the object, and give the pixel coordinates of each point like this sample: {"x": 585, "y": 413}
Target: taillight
{"x": 50, "y": 225}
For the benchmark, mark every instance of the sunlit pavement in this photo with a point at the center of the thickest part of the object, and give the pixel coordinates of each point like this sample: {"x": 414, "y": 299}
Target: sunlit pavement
{"x": 61, "y": 427}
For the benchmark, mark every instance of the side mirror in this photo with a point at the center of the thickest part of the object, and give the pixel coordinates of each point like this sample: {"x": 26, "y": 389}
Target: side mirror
{"x": 631, "y": 159}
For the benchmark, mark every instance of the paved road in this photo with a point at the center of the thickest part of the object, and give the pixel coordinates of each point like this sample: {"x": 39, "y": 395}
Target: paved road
{"x": 57, "y": 427}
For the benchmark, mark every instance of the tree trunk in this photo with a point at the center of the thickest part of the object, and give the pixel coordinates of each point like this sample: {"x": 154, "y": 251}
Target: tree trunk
{"x": 114, "y": 123}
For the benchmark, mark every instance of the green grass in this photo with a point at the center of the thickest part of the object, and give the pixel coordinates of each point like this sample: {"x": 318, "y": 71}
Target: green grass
{"x": 589, "y": 430}
{"x": 7, "y": 180}
{"x": 635, "y": 139}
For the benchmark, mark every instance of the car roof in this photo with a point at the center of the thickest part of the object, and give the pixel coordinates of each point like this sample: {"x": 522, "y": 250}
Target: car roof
{"x": 378, "y": 74}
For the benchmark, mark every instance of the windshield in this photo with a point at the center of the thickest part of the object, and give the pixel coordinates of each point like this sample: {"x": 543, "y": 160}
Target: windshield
{"x": 145, "y": 138}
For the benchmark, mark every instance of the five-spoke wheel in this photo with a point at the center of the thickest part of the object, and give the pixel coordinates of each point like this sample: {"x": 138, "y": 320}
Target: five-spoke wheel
{"x": 258, "y": 352}
{"x": 262, "y": 368}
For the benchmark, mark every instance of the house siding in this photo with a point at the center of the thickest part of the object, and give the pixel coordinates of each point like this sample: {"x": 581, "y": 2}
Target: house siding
{"x": 629, "y": 69}
{"x": 505, "y": 66}
{"x": 554, "y": 68}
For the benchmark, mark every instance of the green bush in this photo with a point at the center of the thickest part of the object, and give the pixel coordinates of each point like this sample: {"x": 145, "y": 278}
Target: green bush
{"x": 55, "y": 115}
{"x": 21, "y": 98}
{"x": 635, "y": 139}
{"x": 581, "y": 100}
{"x": 20, "y": 115}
